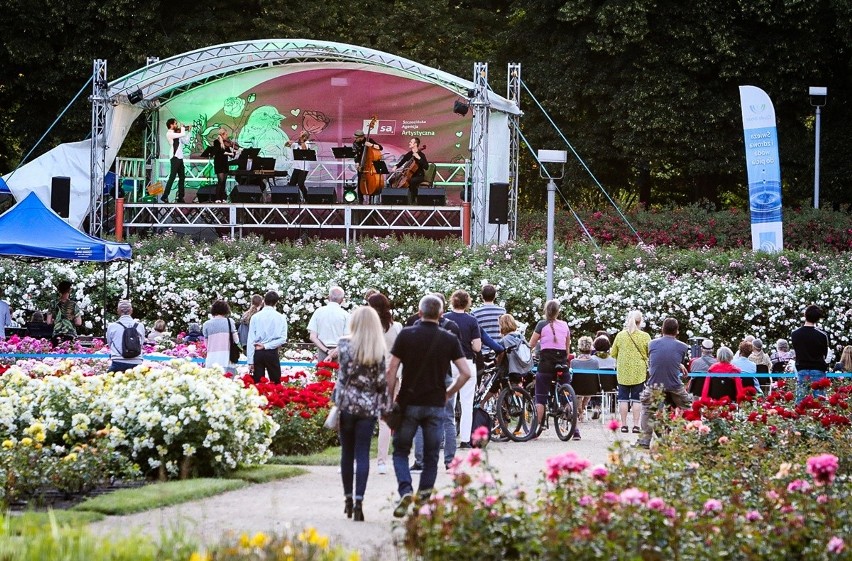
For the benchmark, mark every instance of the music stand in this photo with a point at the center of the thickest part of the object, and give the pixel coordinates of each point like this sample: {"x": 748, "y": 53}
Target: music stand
{"x": 209, "y": 152}
{"x": 342, "y": 152}
{"x": 304, "y": 155}
{"x": 380, "y": 167}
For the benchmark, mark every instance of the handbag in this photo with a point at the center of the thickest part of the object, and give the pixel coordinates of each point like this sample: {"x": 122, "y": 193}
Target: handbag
{"x": 333, "y": 420}
{"x": 235, "y": 349}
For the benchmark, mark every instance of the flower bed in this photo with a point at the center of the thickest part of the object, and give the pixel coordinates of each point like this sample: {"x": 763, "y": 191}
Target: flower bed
{"x": 721, "y": 294}
{"x": 751, "y": 482}
{"x": 70, "y": 430}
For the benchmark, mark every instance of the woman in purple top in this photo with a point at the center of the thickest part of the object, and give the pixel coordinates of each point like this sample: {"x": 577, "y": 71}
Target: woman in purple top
{"x": 554, "y": 337}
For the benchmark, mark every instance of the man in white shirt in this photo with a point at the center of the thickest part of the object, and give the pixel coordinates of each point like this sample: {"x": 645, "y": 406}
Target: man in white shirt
{"x": 267, "y": 332}
{"x": 328, "y": 324}
{"x": 115, "y": 338}
{"x": 178, "y": 137}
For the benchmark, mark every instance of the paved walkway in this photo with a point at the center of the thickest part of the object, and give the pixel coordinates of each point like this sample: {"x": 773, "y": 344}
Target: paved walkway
{"x": 316, "y": 499}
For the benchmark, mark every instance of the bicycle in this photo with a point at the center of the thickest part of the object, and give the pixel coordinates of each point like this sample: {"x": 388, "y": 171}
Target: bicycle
{"x": 561, "y": 406}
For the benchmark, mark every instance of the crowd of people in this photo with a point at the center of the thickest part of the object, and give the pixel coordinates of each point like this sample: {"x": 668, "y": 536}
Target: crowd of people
{"x": 433, "y": 357}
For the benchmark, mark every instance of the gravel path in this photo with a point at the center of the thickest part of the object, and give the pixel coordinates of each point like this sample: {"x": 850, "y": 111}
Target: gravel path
{"x": 316, "y": 498}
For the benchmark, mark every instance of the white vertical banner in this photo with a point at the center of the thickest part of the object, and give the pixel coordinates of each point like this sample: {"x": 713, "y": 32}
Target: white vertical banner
{"x": 763, "y": 168}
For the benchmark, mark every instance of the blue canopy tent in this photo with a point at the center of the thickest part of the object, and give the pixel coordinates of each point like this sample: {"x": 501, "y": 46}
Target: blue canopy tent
{"x": 31, "y": 230}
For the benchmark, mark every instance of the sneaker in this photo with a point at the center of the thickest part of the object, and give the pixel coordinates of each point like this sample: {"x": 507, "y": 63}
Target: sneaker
{"x": 416, "y": 468}
{"x": 401, "y": 508}
{"x": 576, "y": 434}
{"x": 596, "y": 414}
{"x": 641, "y": 444}
{"x": 464, "y": 445}
{"x": 382, "y": 468}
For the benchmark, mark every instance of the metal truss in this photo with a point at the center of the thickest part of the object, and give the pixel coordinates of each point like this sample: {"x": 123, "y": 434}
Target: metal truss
{"x": 347, "y": 221}
{"x": 513, "y": 94}
{"x": 97, "y": 163}
{"x": 173, "y": 76}
{"x": 479, "y": 155}
{"x": 151, "y": 148}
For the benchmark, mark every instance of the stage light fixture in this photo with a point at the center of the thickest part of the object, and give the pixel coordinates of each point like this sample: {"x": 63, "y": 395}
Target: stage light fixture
{"x": 350, "y": 194}
{"x": 135, "y": 97}
{"x": 460, "y": 108}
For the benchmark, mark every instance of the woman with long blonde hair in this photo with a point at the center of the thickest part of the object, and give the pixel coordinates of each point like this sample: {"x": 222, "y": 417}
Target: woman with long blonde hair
{"x": 361, "y": 395}
{"x": 630, "y": 350}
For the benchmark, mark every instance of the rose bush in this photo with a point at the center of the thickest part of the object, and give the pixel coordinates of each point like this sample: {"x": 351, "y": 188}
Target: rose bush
{"x": 763, "y": 480}
{"x": 721, "y": 294}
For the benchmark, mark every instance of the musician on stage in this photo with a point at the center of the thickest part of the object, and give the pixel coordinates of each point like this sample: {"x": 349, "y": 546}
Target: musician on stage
{"x": 416, "y": 154}
{"x": 360, "y": 143}
{"x": 301, "y": 143}
{"x": 223, "y": 150}
{"x": 178, "y": 137}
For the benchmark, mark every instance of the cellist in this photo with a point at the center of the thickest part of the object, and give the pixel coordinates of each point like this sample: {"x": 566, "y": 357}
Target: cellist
{"x": 360, "y": 143}
{"x": 415, "y": 153}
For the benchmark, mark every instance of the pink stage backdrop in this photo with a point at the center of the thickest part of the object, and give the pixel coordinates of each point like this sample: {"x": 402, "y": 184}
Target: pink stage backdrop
{"x": 329, "y": 103}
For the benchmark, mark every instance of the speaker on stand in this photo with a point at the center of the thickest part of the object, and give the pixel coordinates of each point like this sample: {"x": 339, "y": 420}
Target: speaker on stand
{"x": 498, "y": 205}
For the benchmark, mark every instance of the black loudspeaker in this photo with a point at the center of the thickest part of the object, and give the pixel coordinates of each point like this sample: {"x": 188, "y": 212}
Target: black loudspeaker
{"x": 246, "y": 194}
{"x": 206, "y": 194}
{"x": 395, "y": 196}
{"x": 433, "y": 196}
{"x": 498, "y": 203}
{"x": 60, "y": 196}
{"x": 321, "y": 196}
{"x": 285, "y": 194}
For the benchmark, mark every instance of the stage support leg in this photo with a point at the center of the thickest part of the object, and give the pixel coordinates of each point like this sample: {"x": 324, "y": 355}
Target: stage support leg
{"x": 119, "y": 219}
{"x": 466, "y": 223}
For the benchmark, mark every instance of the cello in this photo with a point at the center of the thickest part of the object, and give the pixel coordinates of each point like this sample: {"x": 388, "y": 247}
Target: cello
{"x": 369, "y": 181}
{"x": 401, "y": 178}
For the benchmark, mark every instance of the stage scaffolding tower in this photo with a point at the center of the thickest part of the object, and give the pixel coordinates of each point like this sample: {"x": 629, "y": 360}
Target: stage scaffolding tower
{"x": 513, "y": 94}
{"x": 479, "y": 155}
{"x": 98, "y": 151}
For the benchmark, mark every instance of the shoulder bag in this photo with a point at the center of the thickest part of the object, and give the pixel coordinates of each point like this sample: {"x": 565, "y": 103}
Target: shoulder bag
{"x": 235, "y": 349}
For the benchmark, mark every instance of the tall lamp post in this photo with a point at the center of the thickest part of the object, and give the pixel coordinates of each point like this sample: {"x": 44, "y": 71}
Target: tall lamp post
{"x": 551, "y": 157}
{"x": 818, "y": 97}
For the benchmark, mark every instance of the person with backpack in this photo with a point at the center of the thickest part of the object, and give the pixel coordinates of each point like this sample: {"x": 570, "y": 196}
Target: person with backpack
{"x": 124, "y": 339}
{"x": 517, "y": 362}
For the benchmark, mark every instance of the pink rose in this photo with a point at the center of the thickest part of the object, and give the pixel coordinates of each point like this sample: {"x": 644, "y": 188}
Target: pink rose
{"x": 836, "y": 545}
{"x": 822, "y": 468}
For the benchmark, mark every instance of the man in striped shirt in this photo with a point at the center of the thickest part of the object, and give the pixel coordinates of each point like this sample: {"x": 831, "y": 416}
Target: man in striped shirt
{"x": 488, "y": 314}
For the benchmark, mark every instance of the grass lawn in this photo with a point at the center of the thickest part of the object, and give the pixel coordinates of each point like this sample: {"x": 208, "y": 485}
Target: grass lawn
{"x": 30, "y": 520}
{"x": 156, "y": 495}
{"x": 267, "y": 473}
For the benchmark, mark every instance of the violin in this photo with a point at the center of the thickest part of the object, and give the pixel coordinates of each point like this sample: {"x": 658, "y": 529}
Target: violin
{"x": 300, "y": 143}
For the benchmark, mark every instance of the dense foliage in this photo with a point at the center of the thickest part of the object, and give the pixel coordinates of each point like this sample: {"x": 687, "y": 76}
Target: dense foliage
{"x": 645, "y": 90}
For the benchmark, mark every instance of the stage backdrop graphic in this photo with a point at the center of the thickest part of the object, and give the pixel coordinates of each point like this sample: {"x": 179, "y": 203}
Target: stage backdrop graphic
{"x": 267, "y": 108}
{"x": 763, "y": 169}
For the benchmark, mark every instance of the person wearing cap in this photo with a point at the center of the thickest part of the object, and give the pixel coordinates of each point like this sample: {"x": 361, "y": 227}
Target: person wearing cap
{"x": 360, "y": 142}
{"x": 706, "y": 360}
{"x": 115, "y": 338}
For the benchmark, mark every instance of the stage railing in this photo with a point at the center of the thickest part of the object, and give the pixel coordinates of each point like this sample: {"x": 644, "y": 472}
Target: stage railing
{"x": 347, "y": 221}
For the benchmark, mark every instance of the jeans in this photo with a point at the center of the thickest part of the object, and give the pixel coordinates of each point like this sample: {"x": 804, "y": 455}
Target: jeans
{"x": 178, "y": 171}
{"x": 431, "y": 420}
{"x": 804, "y": 379}
{"x": 119, "y": 366}
{"x": 355, "y": 436}
{"x": 678, "y": 396}
{"x": 449, "y": 435}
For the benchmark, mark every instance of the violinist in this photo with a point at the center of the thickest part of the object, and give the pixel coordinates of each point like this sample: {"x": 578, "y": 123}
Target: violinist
{"x": 223, "y": 149}
{"x": 416, "y": 154}
{"x": 301, "y": 143}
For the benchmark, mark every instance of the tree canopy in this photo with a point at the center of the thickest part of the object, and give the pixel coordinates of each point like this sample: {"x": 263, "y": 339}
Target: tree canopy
{"x": 645, "y": 90}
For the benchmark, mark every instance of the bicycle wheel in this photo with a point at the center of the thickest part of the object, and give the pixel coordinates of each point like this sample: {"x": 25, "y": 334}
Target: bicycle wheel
{"x": 516, "y": 413}
{"x": 565, "y": 417}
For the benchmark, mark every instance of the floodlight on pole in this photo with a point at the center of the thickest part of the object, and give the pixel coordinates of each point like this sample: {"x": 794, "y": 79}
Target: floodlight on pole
{"x": 818, "y": 97}
{"x": 551, "y": 157}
